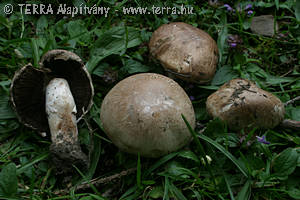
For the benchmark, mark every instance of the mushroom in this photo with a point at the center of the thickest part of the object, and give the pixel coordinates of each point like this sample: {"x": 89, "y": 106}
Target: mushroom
{"x": 242, "y": 104}
{"x": 186, "y": 51}
{"x": 50, "y": 98}
{"x": 142, "y": 114}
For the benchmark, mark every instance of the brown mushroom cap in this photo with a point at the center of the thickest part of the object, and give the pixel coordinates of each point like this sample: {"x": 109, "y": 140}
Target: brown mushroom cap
{"x": 28, "y": 87}
{"x": 142, "y": 113}
{"x": 241, "y": 103}
{"x": 186, "y": 51}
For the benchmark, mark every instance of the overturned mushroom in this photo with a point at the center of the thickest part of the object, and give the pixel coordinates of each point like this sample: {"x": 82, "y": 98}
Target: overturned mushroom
{"x": 242, "y": 104}
{"x": 142, "y": 114}
{"x": 48, "y": 99}
{"x": 186, "y": 51}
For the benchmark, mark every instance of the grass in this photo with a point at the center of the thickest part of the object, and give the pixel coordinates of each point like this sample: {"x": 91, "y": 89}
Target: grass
{"x": 115, "y": 47}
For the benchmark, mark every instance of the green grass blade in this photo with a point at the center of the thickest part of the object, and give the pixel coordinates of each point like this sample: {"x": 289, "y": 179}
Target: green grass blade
{"x": 35, "y": 49}
{"x": 38, "y": 159}
{"x": 222, "y": 37}
{"x": 197, "y": 194}
{"x": 226, "y": 153}
{"x": 245, "y": 192}
{"x": 228, "y": 187}
{"x": 97, "y": 197}
{"x": 201, "y": 149}
{"x": 139, "y": 172}
{"x": 160, "y": 162}
{"x": 176, "y": 192}
{"x": 219, "y": 147}
{"x": 94, "y": 157}
{"x": 166, "y": 190}
{"x": 84, "y": 178}
{"x": 129, "y": 192}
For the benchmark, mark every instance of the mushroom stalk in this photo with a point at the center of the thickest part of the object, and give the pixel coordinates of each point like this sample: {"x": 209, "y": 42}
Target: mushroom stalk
{"x": 61, "y": 112}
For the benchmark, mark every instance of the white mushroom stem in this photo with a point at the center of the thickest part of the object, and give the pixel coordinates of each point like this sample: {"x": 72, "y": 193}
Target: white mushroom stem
{"x": 61, "y": 112}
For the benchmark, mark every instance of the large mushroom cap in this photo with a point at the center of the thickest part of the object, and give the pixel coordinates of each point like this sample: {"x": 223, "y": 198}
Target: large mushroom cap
{"x": 142, "y": 113}
{"x": 241, "y": 104}
{"x": 28, "y": 87}
{"x": 185, "y": 50}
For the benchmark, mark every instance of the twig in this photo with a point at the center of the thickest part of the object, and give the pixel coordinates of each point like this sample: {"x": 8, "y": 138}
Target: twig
{"x": 291, "y": 70}
{"x": 98, "y": 181}
{"x": 292, "y": 101}
{"x": 105, "y": 180}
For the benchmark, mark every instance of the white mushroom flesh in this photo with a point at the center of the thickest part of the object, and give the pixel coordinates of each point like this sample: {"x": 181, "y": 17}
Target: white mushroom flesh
{"x": 61, "y": 111}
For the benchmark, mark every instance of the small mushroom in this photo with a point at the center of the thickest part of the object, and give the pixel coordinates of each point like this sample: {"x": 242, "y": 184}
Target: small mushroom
{"x": 50, "y": 98}
{"x": 241, "y": 103}
{"x": 142, "y": 114}
{"x": 186, "y": 51}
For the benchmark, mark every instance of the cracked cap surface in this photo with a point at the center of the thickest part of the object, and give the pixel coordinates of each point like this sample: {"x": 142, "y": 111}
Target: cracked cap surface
{"x": 241, "y": 103}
